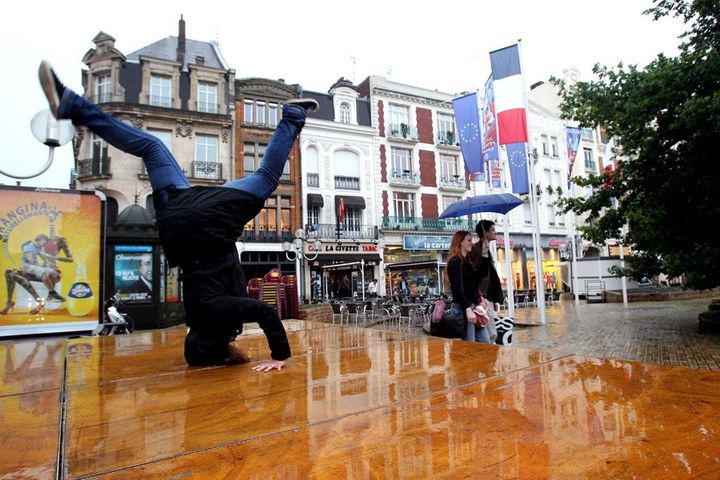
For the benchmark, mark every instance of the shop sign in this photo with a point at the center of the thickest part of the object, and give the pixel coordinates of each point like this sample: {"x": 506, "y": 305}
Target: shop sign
{"x": 426, "y": 242}
{"x": 614, "y": 250}
{"x": 344, "y": 248}
{"x": 500, "y": 241}
{"x": 555, "y": 243}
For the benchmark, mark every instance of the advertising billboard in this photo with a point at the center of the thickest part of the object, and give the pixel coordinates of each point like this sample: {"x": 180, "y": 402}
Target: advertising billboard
{"x": 50, "y": 264}
{"x": 133, "y": 273}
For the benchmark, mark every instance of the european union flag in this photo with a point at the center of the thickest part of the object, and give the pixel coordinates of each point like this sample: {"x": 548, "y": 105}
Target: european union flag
{"x": 517, "y": 158}
{"x": 467, "y": 118}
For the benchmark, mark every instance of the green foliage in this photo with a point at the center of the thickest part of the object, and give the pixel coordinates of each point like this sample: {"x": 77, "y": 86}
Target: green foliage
{"x": 667, "y": 119}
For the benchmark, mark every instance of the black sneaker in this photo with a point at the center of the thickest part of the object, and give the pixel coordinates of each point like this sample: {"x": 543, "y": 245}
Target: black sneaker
{"x": 53, "y": 295}
{"x": 51, "y": 85}
{"x": 308, "y": 104}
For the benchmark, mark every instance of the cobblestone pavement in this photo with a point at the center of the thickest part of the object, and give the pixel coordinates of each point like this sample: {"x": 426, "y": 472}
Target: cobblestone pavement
{"x": 656, "y": 332}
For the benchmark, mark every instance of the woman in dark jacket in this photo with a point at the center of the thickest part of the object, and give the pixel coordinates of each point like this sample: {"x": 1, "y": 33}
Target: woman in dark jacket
{"x": 463, "y": 285}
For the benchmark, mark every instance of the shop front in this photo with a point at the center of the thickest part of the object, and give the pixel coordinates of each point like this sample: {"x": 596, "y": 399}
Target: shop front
{"x": 257, "y": 259}
{"x": 522, "y": 261}
{"x": 415, "y": 265}
{"x": 342, "y": 269}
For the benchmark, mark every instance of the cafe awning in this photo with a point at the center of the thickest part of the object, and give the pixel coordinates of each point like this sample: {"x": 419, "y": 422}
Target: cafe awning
{"x": 328, "y": 259}
{"x": 350, "y": 201}
{"x": 315, "y": 199}
{"x": 414, "y": 265}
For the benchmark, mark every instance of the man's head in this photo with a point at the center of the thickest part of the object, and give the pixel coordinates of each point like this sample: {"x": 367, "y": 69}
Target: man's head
{"x": 486, "y": 230}
{"x": 41, "y": 240}
{"x": 146, "y": 269}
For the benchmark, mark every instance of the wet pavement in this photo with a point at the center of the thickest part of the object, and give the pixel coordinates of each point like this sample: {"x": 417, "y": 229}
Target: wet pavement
{"x": 654, "y": 332}
{"x": 351, "y": 403}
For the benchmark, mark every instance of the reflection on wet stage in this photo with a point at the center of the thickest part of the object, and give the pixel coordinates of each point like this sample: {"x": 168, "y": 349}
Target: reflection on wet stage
{"x": 351, "y": 403}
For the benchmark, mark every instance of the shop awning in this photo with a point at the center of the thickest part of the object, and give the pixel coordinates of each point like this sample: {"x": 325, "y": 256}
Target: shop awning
{"x": 315, "y": 199}
{"x": 414, "y": 265}
{"x": 329, "y": 259}
{"x": 350, "y": 201}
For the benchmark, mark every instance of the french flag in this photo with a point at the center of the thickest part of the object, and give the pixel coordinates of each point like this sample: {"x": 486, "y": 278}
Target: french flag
{"x": 509, "y": 99}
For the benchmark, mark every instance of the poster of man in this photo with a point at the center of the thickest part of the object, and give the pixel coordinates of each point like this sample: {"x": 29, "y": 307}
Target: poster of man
{"x": 50, "y": 250}
{"x": 133, "y": 273}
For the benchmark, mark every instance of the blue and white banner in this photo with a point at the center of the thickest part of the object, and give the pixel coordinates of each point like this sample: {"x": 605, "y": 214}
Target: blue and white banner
{"x": 573, "y": 144}
{"x": 489, "y": 132}
{"x": 424, "y": 242}
{"x": 467, "y": 118}
{"x": 517, "y": 160}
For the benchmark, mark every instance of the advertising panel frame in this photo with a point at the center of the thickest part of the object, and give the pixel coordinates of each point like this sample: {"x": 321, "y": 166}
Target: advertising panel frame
{"x": 51, "y": 267}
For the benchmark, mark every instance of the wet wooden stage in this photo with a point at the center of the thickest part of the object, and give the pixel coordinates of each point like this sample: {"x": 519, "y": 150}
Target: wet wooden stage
{"x": 351, "y": 403}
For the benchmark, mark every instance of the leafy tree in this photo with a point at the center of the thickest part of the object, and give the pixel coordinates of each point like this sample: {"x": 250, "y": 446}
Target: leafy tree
{"x": 667, "y": 119}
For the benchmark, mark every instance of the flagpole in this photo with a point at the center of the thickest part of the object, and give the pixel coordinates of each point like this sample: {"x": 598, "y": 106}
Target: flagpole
{"x": 573, "y": 228}
{"x": 576, "y": 291}
{"x": 509, "y": 280}
{"x": 508, "y": 283}
{"x": 539, "y": 276}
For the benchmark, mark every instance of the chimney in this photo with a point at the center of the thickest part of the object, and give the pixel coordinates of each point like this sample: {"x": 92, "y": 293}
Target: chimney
{"x": 181, "y": 40}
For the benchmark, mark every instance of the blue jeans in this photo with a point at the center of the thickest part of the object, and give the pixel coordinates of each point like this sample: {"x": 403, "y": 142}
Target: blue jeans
{"x": 163, "y": 170}
{"x": 477, "y": 334}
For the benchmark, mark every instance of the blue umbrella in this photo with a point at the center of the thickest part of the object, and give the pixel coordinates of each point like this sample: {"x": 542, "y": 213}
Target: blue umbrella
{"x": 494, "y": 202}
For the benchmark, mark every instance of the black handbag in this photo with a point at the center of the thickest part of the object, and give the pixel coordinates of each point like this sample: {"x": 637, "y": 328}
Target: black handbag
{"x": 452, "y": 323}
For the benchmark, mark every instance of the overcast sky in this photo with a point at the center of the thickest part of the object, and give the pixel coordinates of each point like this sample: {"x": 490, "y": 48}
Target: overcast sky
{"x": 438, "y": 45}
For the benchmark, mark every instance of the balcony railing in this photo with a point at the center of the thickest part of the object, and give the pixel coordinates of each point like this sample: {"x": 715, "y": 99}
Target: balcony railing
{"x": 447, "y": 138}
{"x": 404, "y": 177}
{"x": 347, "y": 183}
{"x": 93, "y": 167}
{"x": 207, "y": 170}
{"x": 404, "y": 131}
{"x": 313, "y": 179}
{"x": 428, "y": 224}
{"x": 159, "y": 101}
{"x": 455, "y": 182}
{"x": 207, "y": 107}
{"x": 264, "y": 235}
{"x": 326, "y": 231}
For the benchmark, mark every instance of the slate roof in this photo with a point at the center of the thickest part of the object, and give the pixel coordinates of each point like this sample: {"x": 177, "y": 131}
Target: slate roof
{"x": 166, "y": 49}
{"x": 327, "y": 109}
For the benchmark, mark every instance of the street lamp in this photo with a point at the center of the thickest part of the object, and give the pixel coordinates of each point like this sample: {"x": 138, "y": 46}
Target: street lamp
{"x": 295, "y": 249}
{"x": 51, "y": 132}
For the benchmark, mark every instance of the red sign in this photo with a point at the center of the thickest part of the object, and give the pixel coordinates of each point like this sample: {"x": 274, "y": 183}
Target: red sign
{"x": 500, "y": 241}
{"x": 344, "y": 248}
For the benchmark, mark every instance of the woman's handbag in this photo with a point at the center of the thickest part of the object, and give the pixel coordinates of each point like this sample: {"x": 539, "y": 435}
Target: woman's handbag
{"x": 450, "y": 323}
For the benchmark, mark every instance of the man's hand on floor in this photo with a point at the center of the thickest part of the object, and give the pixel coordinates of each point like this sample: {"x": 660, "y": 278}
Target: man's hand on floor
{"x": 269, "y": 365}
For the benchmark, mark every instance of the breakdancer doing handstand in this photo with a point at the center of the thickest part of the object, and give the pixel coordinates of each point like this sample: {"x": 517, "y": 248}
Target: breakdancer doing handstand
{"x": 199, "y": 225}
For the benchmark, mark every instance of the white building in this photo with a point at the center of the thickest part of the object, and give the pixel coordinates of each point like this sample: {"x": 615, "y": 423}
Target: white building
{"x": 341, "y": 190}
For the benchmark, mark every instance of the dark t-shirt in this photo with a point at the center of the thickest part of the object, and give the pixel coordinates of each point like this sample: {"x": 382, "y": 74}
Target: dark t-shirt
{"x": 198, "y": 229}
{"x": 204, "y": 222}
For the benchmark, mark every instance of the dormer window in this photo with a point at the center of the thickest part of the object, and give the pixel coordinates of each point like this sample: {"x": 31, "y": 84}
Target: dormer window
{"x": 344, "y": 113}
{"x": 160, "y": 91}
